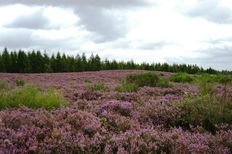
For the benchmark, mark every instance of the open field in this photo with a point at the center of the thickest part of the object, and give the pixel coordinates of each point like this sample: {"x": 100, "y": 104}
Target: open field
{"x": 109, "y": 112}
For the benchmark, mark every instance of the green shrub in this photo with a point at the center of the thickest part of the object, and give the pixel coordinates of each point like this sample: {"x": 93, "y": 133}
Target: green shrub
{"x": 3, "y": 85}
{"x": 164, "y": 83}
{"x": 223, "y": 79}
{"x": 32, "y": 97}
{"x": 88, "y": 80}
{"x": 207, "y": 109}
{"x": 20, "y": 82}
{"x": 143, "y": 79}
{"x": 127, "y": 87}
{"x": 181, "y": 77}
{"x": 98, "y": 87}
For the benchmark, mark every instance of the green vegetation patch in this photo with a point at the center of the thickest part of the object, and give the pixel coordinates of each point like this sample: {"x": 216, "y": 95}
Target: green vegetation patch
{"x": 3, "y": 85}
{"x": 208, "y": 108}
{"x": 32, "y": 97}
{"x": 20, "y": 82}
{"x": 143, "y": 79}
{"x": 181, "y": 77}
{"x": 164, "y": 83}
{"x": 127, "y": 87}
{"x": 87, "y": 80}
{"x": 98, "y": 87}
{"x": 133, "y": 81}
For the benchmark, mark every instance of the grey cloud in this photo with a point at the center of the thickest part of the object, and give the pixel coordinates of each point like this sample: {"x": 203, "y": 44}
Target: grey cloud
{"x": 105, "y": 25}
{"x": 75, "y": 3}
{"x": 20, "y": 38}
{"x": 153, "y": 45}
{"x": 217, "y": 58}
{"x": 36, "y": 20}
{"x": 91, "y": 14}
{"x": 212, "y": 11}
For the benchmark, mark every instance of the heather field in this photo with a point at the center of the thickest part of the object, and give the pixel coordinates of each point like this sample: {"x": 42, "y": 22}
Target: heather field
{"x": 115, "y": 112}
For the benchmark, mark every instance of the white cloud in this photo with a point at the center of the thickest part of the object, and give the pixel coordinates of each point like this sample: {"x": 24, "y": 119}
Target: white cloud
{"x": 177, "y": 31}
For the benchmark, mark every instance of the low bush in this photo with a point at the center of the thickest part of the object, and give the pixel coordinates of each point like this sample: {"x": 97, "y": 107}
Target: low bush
{"x": 20, "y": 82}
{"x": 98, "y": 87}
{"x": 209, "y": 78}
{"x": 207, "y": 109}
{"x": 143, "y": 79}
{"x": 181, "y": 77}
{"x": 127, "y": 87}
{"x": 164, "y": 83}
{"x": 32, "y": 97}
{"x": 133, "y": 81}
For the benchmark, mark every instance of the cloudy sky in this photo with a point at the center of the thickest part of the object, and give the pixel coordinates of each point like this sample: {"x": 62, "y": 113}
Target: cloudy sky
{"x": 173, "y": 31}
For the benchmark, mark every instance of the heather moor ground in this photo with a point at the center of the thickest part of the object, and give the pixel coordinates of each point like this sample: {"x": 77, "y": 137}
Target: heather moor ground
{"x": 121, "y": 111}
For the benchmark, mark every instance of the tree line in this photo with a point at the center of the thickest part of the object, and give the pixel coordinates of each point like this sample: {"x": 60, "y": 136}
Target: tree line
{"x": 37, "y": 62}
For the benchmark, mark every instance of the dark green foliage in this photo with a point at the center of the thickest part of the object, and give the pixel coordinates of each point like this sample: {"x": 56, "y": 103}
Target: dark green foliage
{"x": 22, "y": 62}
{"x": 5, "y": 60}
{"x": 181, "y": 77}
{"x": 94, "y": 63}
{"x": 209, "y": 126}
{"x": 143, "y": 79}
{"x": 14, "y": 62}
{"x": 35, "y": 62}
{"x": 2, "y": 67}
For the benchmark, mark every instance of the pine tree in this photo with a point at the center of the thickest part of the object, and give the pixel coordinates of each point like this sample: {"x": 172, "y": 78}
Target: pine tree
{"x": 78, "y": 64}
{"x": 14, "y": 62}
{"x": 47, "y": 63}
{"x": 23, "y": 62}
{"x": 58, "y": 63}
{"x": 84, "y": 62}
{"x": 2, "y": 67}
{"x": 33, "y": 62}
{"x": 40, "y": 64}
{"x": 6, "y": 60}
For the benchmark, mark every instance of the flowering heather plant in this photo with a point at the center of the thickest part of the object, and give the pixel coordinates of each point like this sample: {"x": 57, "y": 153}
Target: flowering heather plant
{"x": 123, "y": 108}
{"x": 159, "y": 112}
{"x": 146, "y": 121}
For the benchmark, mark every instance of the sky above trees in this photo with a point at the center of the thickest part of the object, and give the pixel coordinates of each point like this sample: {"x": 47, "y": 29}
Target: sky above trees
{"x": 178, "y": 31}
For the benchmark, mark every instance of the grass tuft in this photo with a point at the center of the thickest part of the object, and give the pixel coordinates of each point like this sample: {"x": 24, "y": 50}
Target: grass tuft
{"x": 20, "y": 82}
{"x": 32, "y": 97}
{"x": 98, "y": 87}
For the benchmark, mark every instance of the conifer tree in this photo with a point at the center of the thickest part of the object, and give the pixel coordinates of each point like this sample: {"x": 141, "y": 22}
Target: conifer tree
{"x": 2, "y": 67}
{"x": 6, "y": 60}
{"x": 23, "y": 63}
